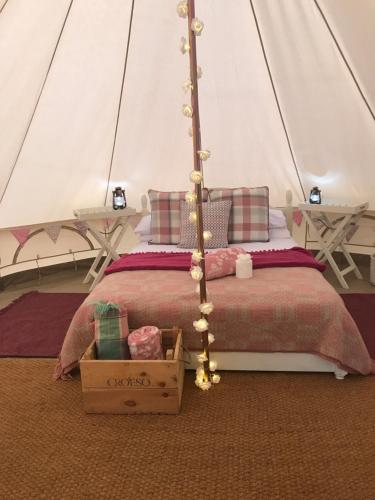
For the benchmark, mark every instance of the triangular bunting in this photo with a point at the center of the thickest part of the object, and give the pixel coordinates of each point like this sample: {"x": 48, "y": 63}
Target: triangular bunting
{"x": 351, "y": 232}
{"x": 20, "y": 233}
{"x": 81, "y": 226}
{"x": 297, "y": 216}
{"x": 107, "y": 223}
{"x": 53, "y": 231}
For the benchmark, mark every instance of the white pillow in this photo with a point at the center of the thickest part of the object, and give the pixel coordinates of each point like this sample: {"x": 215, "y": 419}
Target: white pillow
{"x": 144, "y": 237}
{"x": 276, "y": 219}
{"x": 143, "y": 228}
{"x": 278, "y": 233}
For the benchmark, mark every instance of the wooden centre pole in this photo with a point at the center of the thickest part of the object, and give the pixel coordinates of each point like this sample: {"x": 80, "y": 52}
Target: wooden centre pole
{"x": 198, "y": 166}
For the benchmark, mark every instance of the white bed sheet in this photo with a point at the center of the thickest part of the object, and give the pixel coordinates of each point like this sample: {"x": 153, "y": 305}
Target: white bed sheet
{"x": 273, "y": 244}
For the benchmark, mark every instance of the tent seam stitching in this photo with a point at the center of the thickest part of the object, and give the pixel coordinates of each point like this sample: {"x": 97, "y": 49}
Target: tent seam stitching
{"x": 276, "y": 98}
{"x": 120, "y": 101}
{"x": 341, "y": 52}
{"x": 36, "y": 104}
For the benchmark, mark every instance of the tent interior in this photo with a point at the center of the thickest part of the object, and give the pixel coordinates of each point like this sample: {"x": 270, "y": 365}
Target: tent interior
{"x": 91, "y": 93}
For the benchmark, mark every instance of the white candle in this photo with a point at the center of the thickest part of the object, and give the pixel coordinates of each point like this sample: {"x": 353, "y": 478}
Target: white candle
{"x": 244, "y": 266}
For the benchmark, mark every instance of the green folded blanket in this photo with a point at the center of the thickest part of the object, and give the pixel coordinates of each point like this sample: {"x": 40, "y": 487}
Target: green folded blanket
{"x": 111, "y": 331}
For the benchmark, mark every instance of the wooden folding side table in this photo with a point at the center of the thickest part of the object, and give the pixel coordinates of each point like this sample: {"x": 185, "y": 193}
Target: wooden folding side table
{"x": 330, "y": 235}
{"x": 109, "y": 246}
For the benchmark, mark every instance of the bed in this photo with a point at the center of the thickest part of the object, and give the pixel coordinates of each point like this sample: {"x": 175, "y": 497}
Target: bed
{"x": 282, "y": 319}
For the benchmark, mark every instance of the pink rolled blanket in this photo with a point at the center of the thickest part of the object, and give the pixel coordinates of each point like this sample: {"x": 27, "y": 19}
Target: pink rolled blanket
{"x": 145, "y": 343}
{"x": 222, "y": 262}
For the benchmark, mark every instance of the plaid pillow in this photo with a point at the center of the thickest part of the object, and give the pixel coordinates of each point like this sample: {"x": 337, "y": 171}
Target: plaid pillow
{"x": 165, "y": 215}
{"x": 248, "y": 220}
{"x": 215, "y": 219}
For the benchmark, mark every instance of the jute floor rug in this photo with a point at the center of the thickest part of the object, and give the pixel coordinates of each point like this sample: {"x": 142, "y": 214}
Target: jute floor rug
{"x": 260, "y": 436}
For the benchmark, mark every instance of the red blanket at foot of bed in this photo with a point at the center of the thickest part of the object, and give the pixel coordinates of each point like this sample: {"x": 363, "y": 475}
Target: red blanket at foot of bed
{"x": 181, "y": 261}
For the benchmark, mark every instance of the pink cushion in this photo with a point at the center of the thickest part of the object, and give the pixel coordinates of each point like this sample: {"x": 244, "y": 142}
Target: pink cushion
{"x": 248, "y": 220}
{"x": 222, "y": 262}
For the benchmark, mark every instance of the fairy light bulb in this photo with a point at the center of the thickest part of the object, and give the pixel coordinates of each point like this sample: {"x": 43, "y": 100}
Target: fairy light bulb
{"x": 201, "y": 325}
{"x": 196, "y": 273}
{"x": 207, "y": 235}
{"x": 204, "y": 154}
{"x": 187, "y": 110}
{"x": 193, "y": 217}
{"x": 187, "y": 86}
{"x": 213, "y": 365}
{"x": 196, "y": 256}
{"x": 205, "y": 385}
{"x": 184, "y": 45}
{"x": 201, "y": 357}
{"x": 215, "y": 378}
{"x": 182, "y": 9}
{"x": 206, "y": 307}
{"x": 197, "y": 26}
{"x": 211, "y": 338}
{"x": 190, "y": 197}
{"x": 196, "y": 176}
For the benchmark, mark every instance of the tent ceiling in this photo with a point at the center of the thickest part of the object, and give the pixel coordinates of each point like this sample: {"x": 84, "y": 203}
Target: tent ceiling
{"x": 2, "y": 4}
{"x": 90, "y": 97}
{"x": 28, "y": 35}
{"x": 353, "y": 24}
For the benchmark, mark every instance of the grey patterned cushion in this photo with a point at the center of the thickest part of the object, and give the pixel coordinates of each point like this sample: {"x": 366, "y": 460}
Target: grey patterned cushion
{"x": 215, "y": 219}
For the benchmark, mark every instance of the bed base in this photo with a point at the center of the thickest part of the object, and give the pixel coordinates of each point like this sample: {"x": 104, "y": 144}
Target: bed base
{"x": 270, "y": 361}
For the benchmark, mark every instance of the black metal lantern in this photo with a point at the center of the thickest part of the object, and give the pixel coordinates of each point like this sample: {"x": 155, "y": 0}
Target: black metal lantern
{"x": 315, "y": 196}
{"x": 118, "y": 199}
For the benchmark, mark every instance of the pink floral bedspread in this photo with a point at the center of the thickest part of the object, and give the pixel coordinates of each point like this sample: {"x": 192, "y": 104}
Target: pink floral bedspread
{"x": 278, "y": 310}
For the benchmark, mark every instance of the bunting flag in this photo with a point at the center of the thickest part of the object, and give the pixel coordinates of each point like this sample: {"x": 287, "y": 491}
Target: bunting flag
{"x": 351, "y": 232}
{"x": 297, "y": 216}
{"x": 107, "y": 223}
{"x": 81, "y": 227}
{"x": 20, "y": 233}
{"x": 53, "y": 231}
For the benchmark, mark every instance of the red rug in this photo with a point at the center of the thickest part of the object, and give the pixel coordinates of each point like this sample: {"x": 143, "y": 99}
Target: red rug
{"x": 35, "y": 324}
{"x": 362, "y": 308}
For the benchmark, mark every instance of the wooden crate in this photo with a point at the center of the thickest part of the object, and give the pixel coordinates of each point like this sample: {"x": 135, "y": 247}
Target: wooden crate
{"x": 127, "y": 386}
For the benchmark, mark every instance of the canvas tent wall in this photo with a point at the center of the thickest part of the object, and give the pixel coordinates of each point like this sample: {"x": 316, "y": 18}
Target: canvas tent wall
{"x": 90, "y": 97}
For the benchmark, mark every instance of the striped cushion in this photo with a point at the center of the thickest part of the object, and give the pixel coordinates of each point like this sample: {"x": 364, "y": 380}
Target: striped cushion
{"x": 248, "y": 220}
{"x": 215, "y": 219}
{"x": 165, "y": 215}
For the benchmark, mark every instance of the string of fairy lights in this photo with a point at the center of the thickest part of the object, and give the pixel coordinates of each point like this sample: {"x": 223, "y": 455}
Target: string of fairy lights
{"x": 205, "y": 373}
